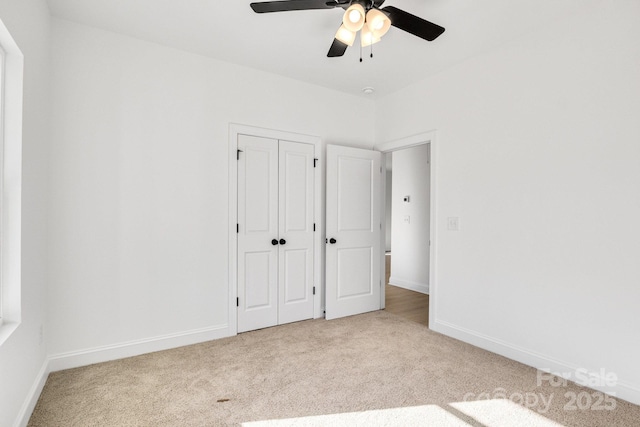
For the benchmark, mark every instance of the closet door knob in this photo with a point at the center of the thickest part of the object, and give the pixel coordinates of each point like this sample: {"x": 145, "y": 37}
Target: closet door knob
{"x": 333, "y": 241}
{"x": 283, "y": 242}
{"x": 274, "y": 242}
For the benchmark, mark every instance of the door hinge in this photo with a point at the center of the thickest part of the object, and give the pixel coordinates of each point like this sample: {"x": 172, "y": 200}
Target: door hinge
{"x": 314, "y": 290}
{"x": 315, "y": 162}
{"x": 314, "y": 226}
{"x": 237, "y": 228}
{"x": 237, "y": 302}
{"x": 238, "y": 153}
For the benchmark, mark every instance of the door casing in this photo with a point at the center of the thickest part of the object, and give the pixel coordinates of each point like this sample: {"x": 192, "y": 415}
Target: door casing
{"x": 234, "y": 131}
{"x": 401, "y": 144}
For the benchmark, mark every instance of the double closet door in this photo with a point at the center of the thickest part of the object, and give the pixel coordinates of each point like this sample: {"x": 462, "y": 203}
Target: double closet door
{"x": 275, "y": 232}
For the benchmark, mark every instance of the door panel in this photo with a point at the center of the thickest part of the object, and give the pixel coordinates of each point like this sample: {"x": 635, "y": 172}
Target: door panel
{"x": 258, "y": 220}
{"x": 297, "y": 263}
{"x": 258, "y": 274}
{"x": 354, "y": 267}
{"x": 296, "y": 229}
{"x": 354, "y": 202}
{"x": 259, "y": 187}
{"x": 295, "y": 214}
{"x": 353, "y": 224}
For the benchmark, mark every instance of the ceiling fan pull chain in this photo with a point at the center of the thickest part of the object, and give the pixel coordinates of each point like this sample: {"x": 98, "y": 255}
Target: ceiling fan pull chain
{"x": 371, "y": 56}
{"x": 360, "y": 50}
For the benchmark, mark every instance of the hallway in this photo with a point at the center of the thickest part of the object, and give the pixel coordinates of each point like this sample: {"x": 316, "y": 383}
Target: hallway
{"x": 411, "y": 305}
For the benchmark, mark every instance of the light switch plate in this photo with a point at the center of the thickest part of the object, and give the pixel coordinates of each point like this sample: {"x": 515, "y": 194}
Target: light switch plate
{"x": 453, "y": 223}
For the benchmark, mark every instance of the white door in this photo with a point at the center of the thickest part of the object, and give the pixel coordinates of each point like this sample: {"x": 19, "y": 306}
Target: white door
{"x": 275, "y": 232}
{"x": 353, "y": 231}
{"x": 257, "y": 230}
{"x": 295, "y": 281}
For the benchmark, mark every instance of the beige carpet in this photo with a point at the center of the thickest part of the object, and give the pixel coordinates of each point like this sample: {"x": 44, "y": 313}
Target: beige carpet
{"x": 372, "y": 369}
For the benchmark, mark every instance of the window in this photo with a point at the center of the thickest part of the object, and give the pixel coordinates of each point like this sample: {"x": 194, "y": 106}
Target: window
{"x": 2, "y": 55}
{"x": 11, "y": 66}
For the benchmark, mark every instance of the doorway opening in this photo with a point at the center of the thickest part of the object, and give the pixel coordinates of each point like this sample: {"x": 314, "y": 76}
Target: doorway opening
{"x": 409, "y": 231}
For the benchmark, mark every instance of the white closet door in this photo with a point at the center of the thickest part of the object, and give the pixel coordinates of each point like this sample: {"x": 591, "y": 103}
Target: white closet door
{"x": 353, "y": 231}
{"x": 258, "y": 227}
{"x": 295, "y": 289}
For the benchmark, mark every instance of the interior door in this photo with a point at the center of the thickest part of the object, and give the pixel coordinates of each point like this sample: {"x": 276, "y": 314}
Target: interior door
{"x": 353, "y": 231}
{"x": 257, "y": 233}
{"x": 295, "y": 258}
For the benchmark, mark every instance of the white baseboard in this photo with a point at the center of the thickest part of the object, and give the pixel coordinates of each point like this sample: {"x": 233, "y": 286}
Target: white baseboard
{"x": 75, "y": 359}
{"x": 423, "y": 288}
{"x": 90, "y": 356}
{"x": 622, "y": 389}
{"x": 32, "y": 397}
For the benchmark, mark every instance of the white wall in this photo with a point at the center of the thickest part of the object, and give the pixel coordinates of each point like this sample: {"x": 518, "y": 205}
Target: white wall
{"x": 537, "y": 153}
{"x": 22, "y": 356}
{"x": 139, "y": 177}
{"x": 410, "y": 240}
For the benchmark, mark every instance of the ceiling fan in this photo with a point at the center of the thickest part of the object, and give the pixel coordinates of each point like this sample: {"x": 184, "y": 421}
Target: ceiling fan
{"x": 365, "y": 16}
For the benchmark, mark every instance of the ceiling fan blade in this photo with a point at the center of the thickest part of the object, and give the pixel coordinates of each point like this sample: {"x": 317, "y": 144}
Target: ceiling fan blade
{"x": 337, "y": 49}
{"x": 287, "y": 5}
{"x": 413, "y": 24}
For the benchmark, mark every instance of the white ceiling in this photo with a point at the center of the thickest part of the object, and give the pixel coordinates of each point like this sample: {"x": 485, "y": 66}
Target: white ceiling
{"x": 295, "y": 44}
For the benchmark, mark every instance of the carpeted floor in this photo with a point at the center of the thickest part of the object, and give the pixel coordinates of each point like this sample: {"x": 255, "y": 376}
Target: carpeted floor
{"x": 372, "y": 369}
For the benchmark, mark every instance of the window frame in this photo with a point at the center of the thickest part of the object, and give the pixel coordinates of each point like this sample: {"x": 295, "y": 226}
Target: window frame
{"x": 2, "y": 81}
{"x": 11, "y": 92}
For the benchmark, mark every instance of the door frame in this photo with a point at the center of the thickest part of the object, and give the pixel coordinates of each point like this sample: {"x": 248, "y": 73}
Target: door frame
{"x": 401, "y": 144}
{"x": 234, "y": 131}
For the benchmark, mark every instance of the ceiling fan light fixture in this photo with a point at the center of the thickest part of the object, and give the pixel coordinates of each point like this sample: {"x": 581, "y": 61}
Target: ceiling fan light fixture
{"x": 378, "y": 22}
{"x": 345, "y": 36}
{"x": 367, "y": 37}
{"x": 354, "y": 17}
{"x": 364, "y": 16}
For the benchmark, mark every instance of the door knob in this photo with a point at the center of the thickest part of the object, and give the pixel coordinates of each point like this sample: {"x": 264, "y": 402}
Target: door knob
{"x": 333, "y": 241}
{"x": 274, "y": 242}
{"x": 283, "y": 242}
